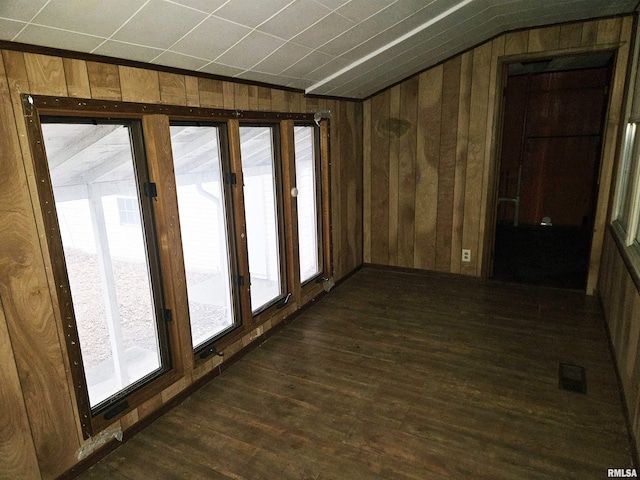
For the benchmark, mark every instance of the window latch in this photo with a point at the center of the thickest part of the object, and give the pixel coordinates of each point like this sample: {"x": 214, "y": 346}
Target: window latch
{"x": 207, "y": 352}
{"x": 151, "y": 190}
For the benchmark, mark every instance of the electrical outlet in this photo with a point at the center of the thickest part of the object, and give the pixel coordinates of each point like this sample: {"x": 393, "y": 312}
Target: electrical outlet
{"x": 466, "y": 255}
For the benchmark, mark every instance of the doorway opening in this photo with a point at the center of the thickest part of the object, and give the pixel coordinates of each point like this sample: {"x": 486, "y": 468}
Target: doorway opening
{"x": 552, "y": 133}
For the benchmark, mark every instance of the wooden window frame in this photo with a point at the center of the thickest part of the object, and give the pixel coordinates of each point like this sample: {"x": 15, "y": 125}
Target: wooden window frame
{"x": 155, "y": 118}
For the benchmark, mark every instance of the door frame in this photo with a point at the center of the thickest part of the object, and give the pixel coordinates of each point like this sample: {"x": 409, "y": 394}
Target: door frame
{"x": 610, "y": 142}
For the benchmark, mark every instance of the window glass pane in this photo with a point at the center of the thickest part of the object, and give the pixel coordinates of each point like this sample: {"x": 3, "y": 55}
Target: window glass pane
{"x": 203, "y": 225}
{"x": 97, "y": 203}
{"x": 307, "y": 202}
{"x": 623, "y": 192}
{"x": 258, "y": 170}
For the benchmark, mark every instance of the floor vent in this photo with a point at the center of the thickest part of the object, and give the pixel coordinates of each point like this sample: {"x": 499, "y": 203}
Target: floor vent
{"x": 572, "y": 378}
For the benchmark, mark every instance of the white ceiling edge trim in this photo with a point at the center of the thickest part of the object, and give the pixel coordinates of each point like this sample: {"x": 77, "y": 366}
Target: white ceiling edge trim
{"x": 388, "y": 46}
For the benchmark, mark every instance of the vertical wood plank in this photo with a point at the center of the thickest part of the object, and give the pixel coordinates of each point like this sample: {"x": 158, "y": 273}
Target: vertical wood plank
{"x": 253, "y": 97}
{"x": 46, "y": 74}
{"x": 241, "y": 94}
{"x": 380, "y": 178}
{"x": 589, "y": 33}
{"x": 447, "y": 165}
{"x": 160, "y": 160}
{"x": 516, "y": 42}
{"x": 228, "y": 95}
{"x": 396, "y": 130}
{"x": 77, "y": 78}
{"x": 139, "y": 85}
{"x": 570, "y": 35}
{"x": 172, "y": 88}
{"x": 104, "y": 81}
{"x": 192, "y": 88}
{"x": 278, "y": 100}
{"x": 26, "y": 297}
{"x": 476, "y": 155}
{"x": 608, "y": 30}
{"x": 264, "y": 99}
{"x": 407, "y": 175}
{"x": 462, "y": 151}
{"x": 211, "y": 93}
{"x": 338, "y": 186}
{"x": 427, "y": 165}
{"x": 17, "y": 452}
{"x": 366, "y": 180}
{"x": 545, "y": 38}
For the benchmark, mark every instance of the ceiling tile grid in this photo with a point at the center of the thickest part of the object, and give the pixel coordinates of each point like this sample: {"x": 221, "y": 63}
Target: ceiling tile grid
{"x": 347, "y": 48}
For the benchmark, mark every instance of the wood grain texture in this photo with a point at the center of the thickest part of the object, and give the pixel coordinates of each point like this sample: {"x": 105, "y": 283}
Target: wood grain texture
{"x": 465, "y": 394}
{"x": 380, "y": 178}
{"x": 161, "y": 172}
{"x": 447, "y": 163}
{"x": 18, "y": 457}
{"x": 409, "y": 93}
{"x": 476, "y": 156}
{"x": 139, "y": 85}
{"x": 193, "y": 94}
{"x": 104, "y": 81}
{"x": 458, "y": 213}
{"x": 27, "y": 302}
{"x": 172, "y": 88}
{"x": 366, "y": 181}
{"x": 211, "y": 93}
{"x": 394, "y": 188}
{"x": 77, "y": 78}
{"x": 427, "y": 160}
{"x": 46, "y": 74}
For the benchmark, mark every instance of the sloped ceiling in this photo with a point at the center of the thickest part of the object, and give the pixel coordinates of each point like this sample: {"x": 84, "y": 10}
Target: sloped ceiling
{"x": 343, "y": 48}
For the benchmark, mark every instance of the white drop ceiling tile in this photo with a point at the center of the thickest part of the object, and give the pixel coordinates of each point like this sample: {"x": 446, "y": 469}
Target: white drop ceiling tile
{"x": 297, "y": 17}
{"x": 101, "y": 18}
{"x": 250, "y": 50}
{"x": 359, "y": 11}
{"x": 9, "y": 29}
{"x": 51, "y": 37}
{"x": 328, "y": 69}
{"x": 249, "y": 12}
{"x": 308, "y": 64}
{"x": 282, "y": 58}
{"x": 177, "y": 60}
{"x": 20, "y": 9}
{"x": 139, "y": 53}
{"x": 211, "y": 38}
{"x": 222, "y": 70}
{"x": 207, "y": 6}
{"x": 349, "y": 40}
{"x": 159, "y": 24}
{"x": 265, "y": 78}
{"x": 333, "y": 4}
{"x": 324, "y": 31}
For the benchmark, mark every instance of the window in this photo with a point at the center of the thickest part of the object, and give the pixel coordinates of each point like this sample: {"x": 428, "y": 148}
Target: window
{"x": 203, "y": 205}
{"x": 307, "y": 165}
{"x": 626, "y": 211}
{"x": 262, "y": 215}
{"x": 128, "y": 211}
{"x": 97, "y": 173}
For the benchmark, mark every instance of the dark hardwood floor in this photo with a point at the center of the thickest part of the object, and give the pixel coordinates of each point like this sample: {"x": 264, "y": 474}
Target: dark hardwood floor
{"x": 402, "y": 376}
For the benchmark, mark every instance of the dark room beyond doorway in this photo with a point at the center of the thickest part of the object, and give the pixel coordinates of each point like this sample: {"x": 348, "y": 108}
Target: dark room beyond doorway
{"x": 554, "y": 114}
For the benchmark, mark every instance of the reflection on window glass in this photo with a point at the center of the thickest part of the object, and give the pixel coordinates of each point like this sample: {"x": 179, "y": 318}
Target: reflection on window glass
{"x": 258, "y": 170}
{"x": 623, "y": 194}
{"x": 201, "y": 202}
{"x": 92, "y": 173}
{"x": 307, "y": 201}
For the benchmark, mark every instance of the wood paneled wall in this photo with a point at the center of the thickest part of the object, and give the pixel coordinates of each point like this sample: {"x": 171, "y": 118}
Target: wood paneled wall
{"x": 430, "y": 149}
{"x": 39, "y": 428}
{"x": 621, "y": 302}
